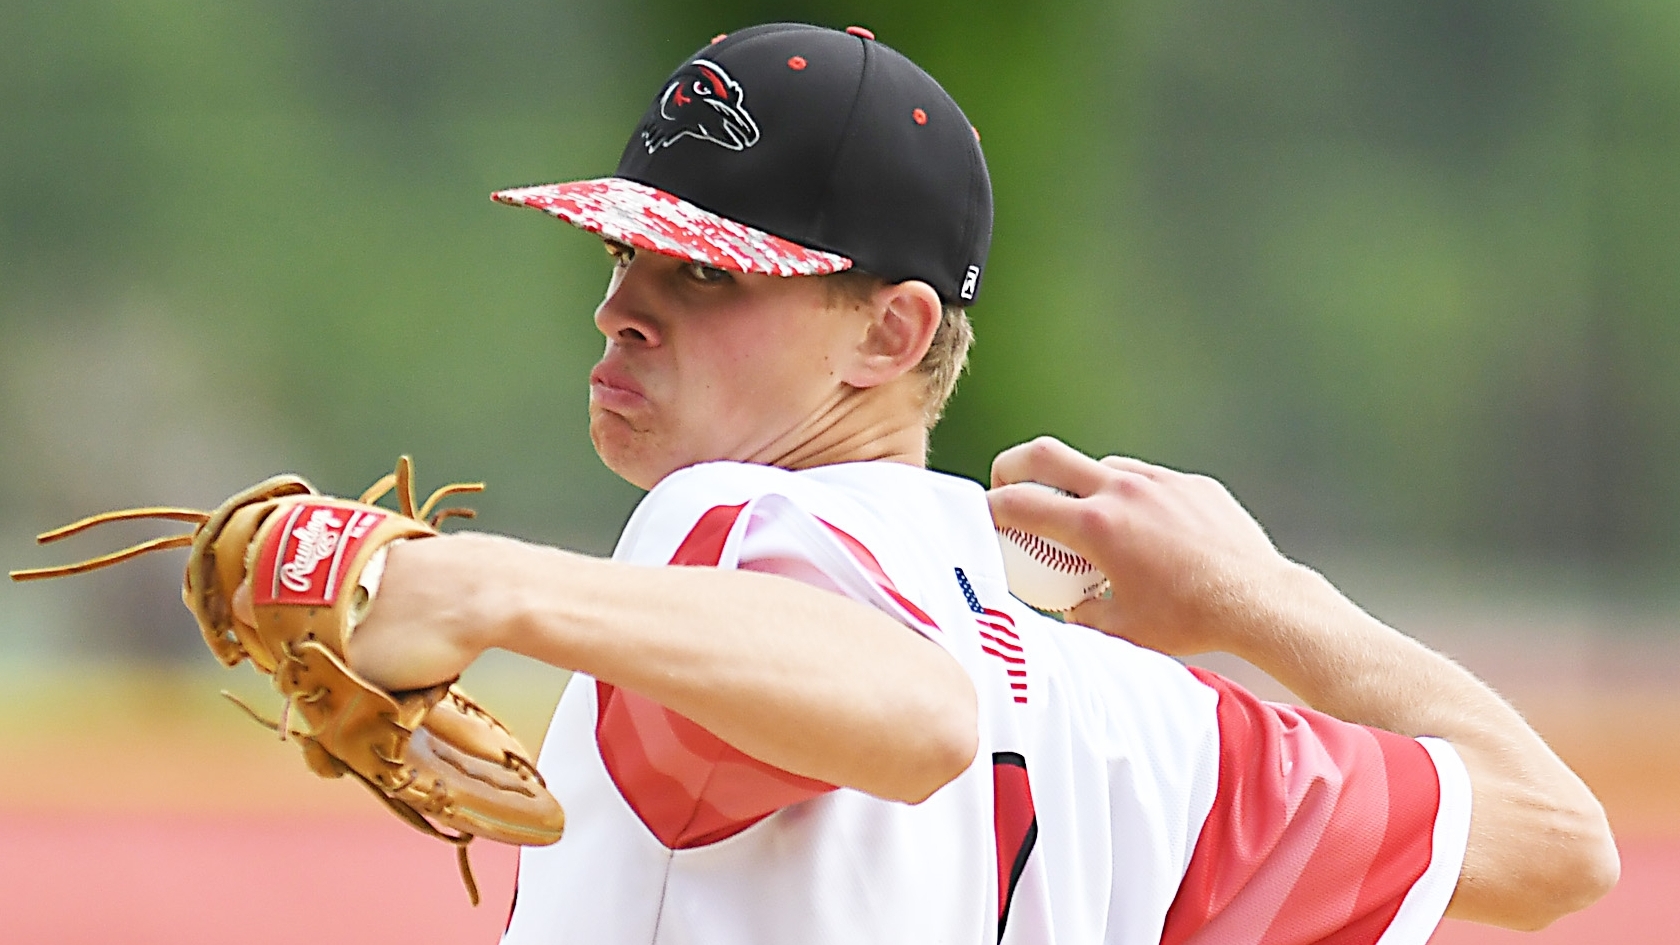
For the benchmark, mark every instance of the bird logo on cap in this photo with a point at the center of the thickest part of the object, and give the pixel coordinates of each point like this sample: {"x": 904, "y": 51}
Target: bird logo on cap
{"x": 703, "y": 102}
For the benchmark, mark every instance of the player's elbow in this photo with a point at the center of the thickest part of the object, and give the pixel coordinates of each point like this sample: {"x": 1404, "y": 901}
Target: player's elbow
{"x": 1585, "y": 867}
{"x": 1597, "y": 874}
{"x": 947, "y": 759}
{"x": 1570, "y": 863}
{"x": 947, "y": 742}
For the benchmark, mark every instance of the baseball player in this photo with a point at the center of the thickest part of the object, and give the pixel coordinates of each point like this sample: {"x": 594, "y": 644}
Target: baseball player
{"x": 805, "y": 706}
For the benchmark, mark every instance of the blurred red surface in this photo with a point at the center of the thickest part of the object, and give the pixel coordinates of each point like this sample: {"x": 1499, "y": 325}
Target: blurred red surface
{"x": 186, "y": 879}
{"x": 1643, "y": 909}
{"x": 216, "y": 832}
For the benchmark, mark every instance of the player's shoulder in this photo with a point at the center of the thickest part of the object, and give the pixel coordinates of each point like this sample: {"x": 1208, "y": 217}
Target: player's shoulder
{"x": 895, "y": 516}
{"x": 861, "y": 493}
{"x": 720, "y": 481}
{"x": 694, "y": 490}
{"x": 717, "y": 497}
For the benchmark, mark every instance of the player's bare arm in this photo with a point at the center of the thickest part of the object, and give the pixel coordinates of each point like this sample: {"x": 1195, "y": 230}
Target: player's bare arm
{"x": 1193, "y": 572}
{"x": 799, "y": 678}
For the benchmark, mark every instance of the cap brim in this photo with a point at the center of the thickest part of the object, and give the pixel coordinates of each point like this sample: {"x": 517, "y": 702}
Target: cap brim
{"x": 651, "y": 219}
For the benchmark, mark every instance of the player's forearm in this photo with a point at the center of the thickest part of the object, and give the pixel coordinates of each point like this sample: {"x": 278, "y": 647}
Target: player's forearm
{"x": 1540, "y": 846}
{"x": 800, "y": 678}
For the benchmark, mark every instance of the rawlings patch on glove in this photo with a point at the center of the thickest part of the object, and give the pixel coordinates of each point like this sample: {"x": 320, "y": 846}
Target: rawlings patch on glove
{"x": 281, "y": 575}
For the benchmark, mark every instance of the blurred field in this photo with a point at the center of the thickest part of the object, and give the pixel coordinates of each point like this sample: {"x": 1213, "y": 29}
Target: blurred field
{"x": 142, "y": 802}
{"x": 1402, "y": 275}
{"x": 139, "y": 807}
{"x": 178, "y": 878}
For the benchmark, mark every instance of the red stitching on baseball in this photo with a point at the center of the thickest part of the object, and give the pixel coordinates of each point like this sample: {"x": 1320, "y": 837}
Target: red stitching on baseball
{"x": 1039, "y": 549}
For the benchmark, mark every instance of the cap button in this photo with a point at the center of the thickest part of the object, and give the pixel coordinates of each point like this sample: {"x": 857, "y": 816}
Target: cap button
{"x": 860, "y": 32}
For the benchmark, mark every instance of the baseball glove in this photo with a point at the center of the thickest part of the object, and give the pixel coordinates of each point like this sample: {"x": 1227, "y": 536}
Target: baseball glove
{"x": 281, "y": 575}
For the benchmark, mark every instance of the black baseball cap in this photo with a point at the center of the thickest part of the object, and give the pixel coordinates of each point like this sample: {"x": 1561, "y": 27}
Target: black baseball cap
{"x": 788, "y": 149}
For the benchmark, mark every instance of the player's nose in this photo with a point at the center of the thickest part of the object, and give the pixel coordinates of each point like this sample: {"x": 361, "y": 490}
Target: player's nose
{"x": 624, "y": 315}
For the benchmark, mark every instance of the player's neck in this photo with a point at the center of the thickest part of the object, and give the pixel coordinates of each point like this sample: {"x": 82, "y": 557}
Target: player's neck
{"x": 880, "y": 424}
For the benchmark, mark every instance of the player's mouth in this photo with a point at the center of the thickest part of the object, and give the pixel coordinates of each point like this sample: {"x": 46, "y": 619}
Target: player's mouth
{"x": 611, "y": 388}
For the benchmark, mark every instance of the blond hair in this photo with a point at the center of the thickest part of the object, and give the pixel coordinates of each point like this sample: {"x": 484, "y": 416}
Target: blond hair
{"x": 947, "y": 354}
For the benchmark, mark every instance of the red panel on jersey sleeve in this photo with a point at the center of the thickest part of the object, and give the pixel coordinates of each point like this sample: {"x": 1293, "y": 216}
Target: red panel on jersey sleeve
{"x": 688, "y": 786}
{"x": 1318, "y": 829}
{"x": 866, "y": 559}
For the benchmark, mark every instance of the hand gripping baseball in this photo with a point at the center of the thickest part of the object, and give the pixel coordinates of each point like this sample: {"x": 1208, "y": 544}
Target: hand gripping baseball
{"x": 1191, "y": 570}
{"x": 281, "y": 575}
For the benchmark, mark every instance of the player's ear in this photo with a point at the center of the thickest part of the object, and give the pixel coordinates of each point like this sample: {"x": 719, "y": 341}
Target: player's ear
{"x": 902, "y": 319}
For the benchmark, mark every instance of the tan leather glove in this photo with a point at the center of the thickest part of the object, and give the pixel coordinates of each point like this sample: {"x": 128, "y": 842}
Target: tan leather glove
{"x": 281, "y": 575}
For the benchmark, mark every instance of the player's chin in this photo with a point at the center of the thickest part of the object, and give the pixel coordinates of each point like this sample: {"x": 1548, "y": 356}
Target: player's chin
{"x": 631, "y": 453}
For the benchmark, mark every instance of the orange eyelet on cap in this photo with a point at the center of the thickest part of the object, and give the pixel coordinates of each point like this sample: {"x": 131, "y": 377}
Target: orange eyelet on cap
{"x": 860, "y": 31}
{"x": 719, "y": 38}
{"x": 796, "y": 63}
{"x": 919, "y": 117}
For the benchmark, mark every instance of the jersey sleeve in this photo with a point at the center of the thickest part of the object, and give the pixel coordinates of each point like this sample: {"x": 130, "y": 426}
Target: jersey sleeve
{"x": 1321, "y": 831}
{"x": 689, "y": 787}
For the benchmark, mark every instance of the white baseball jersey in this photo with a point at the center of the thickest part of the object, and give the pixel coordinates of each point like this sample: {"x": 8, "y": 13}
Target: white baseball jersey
{"x": 1117, "y": 797}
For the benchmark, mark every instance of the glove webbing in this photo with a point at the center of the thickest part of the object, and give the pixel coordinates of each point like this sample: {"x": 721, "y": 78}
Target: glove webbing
{"x": 408, "y": 814}
{"x": 196, "y": 516}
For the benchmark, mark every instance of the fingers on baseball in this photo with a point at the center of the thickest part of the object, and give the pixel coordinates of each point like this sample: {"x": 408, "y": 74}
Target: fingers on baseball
{"x": 1029, "y": 508}
{"x": 1191, "y": 482}
{"x": 1131, "y": 464}
{"x": 1082, "y": 525}
{"x": 1049, "y": 461}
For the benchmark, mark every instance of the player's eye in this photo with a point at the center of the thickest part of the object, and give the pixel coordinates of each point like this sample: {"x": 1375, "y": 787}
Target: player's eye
{"x": 620, "y": 253}
{"x": 700, "y": 272}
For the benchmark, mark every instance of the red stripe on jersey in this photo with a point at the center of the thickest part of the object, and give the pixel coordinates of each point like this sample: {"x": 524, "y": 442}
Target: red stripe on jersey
{"x": 688, "y": 786}
{"x": 1318, "y": 829}
{"x": 1015, "y": 824}
{"x": 703, "y": 545}
{"x": 910, "y": 607}
{"x": 1014, "y": 647}
{"x": 867, "y": 561}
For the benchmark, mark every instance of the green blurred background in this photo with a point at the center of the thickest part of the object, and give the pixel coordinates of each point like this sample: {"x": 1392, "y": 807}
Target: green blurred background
{"x": 1402, "y": 275}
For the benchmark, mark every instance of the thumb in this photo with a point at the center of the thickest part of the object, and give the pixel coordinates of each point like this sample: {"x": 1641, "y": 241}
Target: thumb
{"x": 1101, "y": 613}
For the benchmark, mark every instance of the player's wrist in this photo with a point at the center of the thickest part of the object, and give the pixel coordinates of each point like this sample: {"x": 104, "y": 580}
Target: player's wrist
{"x": 545, "y": 602}
{"x": 1322, "y": 646}
{"x": 503, "y": 584}
{"x": 1264, "y": 615}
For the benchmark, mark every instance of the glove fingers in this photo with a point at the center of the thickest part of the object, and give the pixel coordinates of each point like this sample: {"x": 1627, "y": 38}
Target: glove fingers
{"x": 495, "y": 799}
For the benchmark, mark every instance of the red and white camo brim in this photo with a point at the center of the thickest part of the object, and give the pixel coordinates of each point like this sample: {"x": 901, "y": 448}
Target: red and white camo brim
{"x": 651, "y": 219}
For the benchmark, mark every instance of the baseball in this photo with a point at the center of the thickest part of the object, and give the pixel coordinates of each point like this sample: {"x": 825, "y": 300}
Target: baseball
{"x": 1045, "y": 573}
